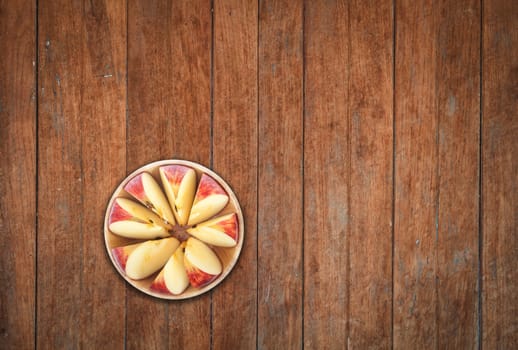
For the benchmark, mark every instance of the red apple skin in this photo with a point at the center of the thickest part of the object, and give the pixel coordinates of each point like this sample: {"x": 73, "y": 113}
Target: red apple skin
{"x": 230, "y": 226}
{"x": 207, "y": 187}
{"x": 135, "y": 187}
{"x": 198, "y": 278}
{"x": 175, "y": 173}
{"x": 118, "y": 214}
{"x": 120, "y": 256}
{"x": 158, "y": 284}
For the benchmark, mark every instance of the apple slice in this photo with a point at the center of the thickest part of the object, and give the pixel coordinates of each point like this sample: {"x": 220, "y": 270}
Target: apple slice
{"x": 131, "y": 220}
{"x": 201, "y": 263}
{"x": 180, "y": 186}
{"x": 210, "y": 199}
{"x": 145, "y": 189}
{"x": 221, "y": 231}
{"x": 149, "y": 257}
{"x": 121, "y": 254}
{"x": 173, "y": 278}
{"x": 127, "y": 207}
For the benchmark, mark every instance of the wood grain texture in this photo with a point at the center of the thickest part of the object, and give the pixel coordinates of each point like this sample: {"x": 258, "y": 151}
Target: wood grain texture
{"x": 372, "y": 145}
{"x": 149, "y": 93}
{"x": 190, "y": 131}
{"x": 169, "y": 117}
{"x": 17, "y": 173}
{"x": 326, "y": 174}
{"x": 60, "y": 190}
{"x": 235, "y": 158}
{"x": 280, "y": 165}
{"x": 81, "y": 100}
{"x": 416, "y": 182}
{"x": 437, "y": 202}
{"x": 370, "y": 166}
{"x": 103, "y": 164}
{"x": 500, "y": 175}
{"x": 458, "y": 114}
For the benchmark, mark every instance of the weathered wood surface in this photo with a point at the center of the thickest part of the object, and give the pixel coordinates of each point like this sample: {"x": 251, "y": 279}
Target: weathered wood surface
{"x": 437, "y": 145}
{"x": 17, "y": 173}
{"x": 235, "y": 99}
{"x": 373, "y": 147}
{"x": 499, "y": 231}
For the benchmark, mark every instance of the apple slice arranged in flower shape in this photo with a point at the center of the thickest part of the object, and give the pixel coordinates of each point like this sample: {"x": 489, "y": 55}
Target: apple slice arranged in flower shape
{"x": 132, "y": 220}
{"x": 146, "y": 190}
{"x": 179, "y": 183}
{"x": 210, "y": 199}
{"x": 201, "y": 263}
{"x": 141, "y": 260}
{"x": 221, "y": 231}
{"x": 173, "y": 277}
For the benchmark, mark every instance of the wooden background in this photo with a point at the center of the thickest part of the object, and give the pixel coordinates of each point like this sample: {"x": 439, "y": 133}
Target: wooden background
{"x": 372, "y": 144}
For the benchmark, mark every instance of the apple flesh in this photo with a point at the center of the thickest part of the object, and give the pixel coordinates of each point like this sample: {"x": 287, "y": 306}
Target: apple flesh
{"x": 131, "y": 220}
{"x": 210, "y": 199}
{"x": 121, "y": 254}
{"x": 179, "y": 183}
{"x": 173, "y": 277}
{"x": 147, "y": 191}
{"x": 221, "y": 231}
{"x": 149, "y": 257}
{"x": 201, "y": 263}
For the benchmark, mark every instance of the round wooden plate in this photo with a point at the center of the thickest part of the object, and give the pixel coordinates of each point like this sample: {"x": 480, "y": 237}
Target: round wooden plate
{"x": 228, "y": 256}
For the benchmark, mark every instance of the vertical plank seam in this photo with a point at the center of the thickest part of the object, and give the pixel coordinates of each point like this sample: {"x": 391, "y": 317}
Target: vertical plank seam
{"x": 257, "y": 185}
{"x": 36, "y": 183}
{"x": 303, "y": 136}
{"x": 349, "y": 151}
{"x": 211, "y": 53}
{"x": 480, "y": 174}
{"x": 393, "y": 214}
{"x": 437, "y": 178}
{"x": 82, "y": 122}
{"x": 170, "y": 22}
{"x": 125, "y": 334}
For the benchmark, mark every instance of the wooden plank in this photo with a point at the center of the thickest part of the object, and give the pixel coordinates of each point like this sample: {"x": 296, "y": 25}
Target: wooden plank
{"x": 169, "y": 117}
{"x": 17, "y": 173}
{"x": 60, "y": 210}
{"x": 235, "y": 158}
{"x": 81, "y": 158}
{"x": 437, "y": 137}
{"x": 416, "y": 182}
{"x": 189, "y": 109}
{"x": 500, "y": 175}
{"x": 458, "y": 113}
{"x": 103, "y": 154}
{"x": 370, "y": 164}
{"x": 149, "y": 89}
{"x": 326, "y": 146}
{"x": 280, "y": 222}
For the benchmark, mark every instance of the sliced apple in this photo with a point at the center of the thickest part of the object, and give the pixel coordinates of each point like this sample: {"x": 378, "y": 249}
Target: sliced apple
{"x": 210, "y": 199}
{"x": 173, "y": 277}
{"x": 138, "y": 211}
{"x": 179, "y": 183}
{"x": 129, "y": 219}
{"x": 201, "y": 263}
{"x": 221, "y": 231}
{"x": 146, "y": 190}
{"x": 149, "y": 257}
{"x": 121, "y": 254}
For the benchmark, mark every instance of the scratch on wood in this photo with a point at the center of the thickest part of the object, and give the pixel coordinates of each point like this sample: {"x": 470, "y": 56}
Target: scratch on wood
{"x": 452, "y": 105}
